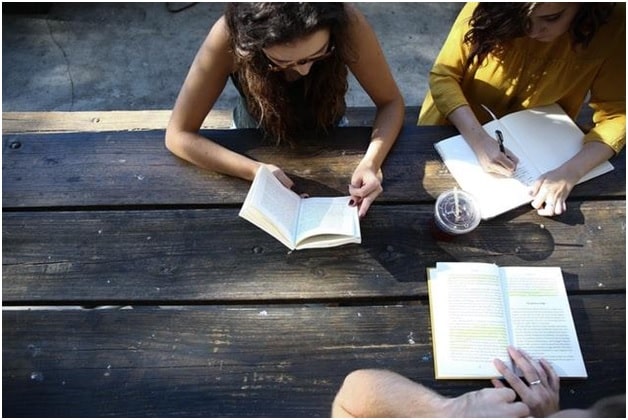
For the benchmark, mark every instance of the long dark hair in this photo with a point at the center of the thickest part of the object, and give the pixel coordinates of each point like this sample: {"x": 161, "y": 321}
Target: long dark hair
{"x": 254, "y": 26}
{"x": 494, "y": 25}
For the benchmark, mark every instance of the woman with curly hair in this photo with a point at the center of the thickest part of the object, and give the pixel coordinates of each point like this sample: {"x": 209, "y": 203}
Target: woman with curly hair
{"x": 290, "y": 63}
{"x": 514, "y": 56}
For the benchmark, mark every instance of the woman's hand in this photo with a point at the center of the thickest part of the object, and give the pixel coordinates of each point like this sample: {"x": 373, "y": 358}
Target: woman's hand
{"x": 553, "y": 187}
{"x": 485, "y": 147}
{"x": 491, "y": 158}
{"x": 551, "y": 190}
{"x": 540, "y": 391}
{"x": 280, "y": 175}
{"x": 366, "y": 185}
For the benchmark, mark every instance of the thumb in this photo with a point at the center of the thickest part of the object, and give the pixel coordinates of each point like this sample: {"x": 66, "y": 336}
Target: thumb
{"x": 507, "y": 394}
{"x": 497, "y": 383}
{"x": 283, "y": 178}
{"x": 536, "y": 186}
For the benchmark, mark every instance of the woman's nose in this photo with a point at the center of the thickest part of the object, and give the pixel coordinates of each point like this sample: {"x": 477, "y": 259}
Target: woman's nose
{"x": 303, "y": 69}
{"x": 536, "y": 30}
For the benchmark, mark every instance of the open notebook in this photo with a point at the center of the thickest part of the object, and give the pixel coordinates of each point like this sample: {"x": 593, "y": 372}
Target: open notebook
{"x": 542, "y": 138}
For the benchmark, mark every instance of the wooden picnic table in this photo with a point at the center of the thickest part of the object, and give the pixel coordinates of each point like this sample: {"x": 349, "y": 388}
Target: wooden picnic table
{"x": 132, "y": 288}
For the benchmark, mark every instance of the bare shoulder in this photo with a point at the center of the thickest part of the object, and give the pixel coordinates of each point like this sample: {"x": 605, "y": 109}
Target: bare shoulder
{"x": 219, "y": 36}
{"x": 360, "y": 32}
{"x": 217, "y": 44}
{"x": 357, "y": 20}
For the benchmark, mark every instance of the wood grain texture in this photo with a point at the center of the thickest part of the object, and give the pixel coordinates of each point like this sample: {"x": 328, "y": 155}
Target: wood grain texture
{"x": 135, "y": 168}
{"x": 216, "y": 317}
{"x": 253, "y": 361}
{"x": 213, "y": 255}
{"x": 94, "y": 121}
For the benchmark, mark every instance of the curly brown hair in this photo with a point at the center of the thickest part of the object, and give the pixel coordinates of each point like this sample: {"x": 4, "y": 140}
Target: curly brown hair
{"x": 494, "y": 25}
{"x": 254, "y": 26}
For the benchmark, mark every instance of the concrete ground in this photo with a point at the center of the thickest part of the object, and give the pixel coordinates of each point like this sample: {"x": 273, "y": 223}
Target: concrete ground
{"x": 134, "y": 56}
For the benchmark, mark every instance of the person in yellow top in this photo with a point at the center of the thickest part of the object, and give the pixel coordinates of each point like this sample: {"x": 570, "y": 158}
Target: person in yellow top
{"x": 514, "y": 56}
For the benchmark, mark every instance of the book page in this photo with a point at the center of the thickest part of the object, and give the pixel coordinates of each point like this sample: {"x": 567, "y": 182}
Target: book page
{"x": 542, "y": 138}
{"x": 326, "y": 219}
{"x": 550, "y": 137}
{"x": 495, "y": 193}
{"x": 272, "y": 207}
{"x": 526, "y": 171}
{"x": 541, "y": 319}
{"x": 468, "y": 320}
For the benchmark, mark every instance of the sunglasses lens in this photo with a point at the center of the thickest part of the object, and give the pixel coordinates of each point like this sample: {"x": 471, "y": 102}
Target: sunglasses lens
{"x": 274, "y": 67}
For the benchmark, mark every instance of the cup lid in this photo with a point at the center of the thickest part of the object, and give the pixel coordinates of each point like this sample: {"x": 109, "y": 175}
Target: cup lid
{"x": 457, "y": 211}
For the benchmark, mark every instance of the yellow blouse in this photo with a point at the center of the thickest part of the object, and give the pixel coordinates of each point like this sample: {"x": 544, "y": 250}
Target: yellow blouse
{"x": 533, "y": 73}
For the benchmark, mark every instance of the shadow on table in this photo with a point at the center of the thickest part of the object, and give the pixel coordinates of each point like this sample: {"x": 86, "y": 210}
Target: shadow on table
{"x": 405, "y": 247}
{"x": 511, "y": 235}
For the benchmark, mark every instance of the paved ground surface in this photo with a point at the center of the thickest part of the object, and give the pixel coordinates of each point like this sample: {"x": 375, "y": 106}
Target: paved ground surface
{"x": 133, "y": 56}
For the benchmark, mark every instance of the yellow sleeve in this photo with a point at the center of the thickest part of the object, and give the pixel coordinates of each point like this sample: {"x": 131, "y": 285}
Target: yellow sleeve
{"x": 608, "y": 95}
{"x": 446, "y": 74}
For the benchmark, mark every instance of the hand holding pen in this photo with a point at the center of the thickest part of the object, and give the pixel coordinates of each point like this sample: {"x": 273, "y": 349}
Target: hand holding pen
{"x": 504, "y": 159}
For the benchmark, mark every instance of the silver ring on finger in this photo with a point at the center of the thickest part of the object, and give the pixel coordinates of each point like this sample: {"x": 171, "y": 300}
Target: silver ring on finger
{"x": 537, "y": 382}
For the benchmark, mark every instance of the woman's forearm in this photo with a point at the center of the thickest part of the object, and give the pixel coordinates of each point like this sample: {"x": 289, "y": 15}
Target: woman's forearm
{"x": 386, "y": 127}
{"x": 209, "y": 155}
{"x": 467, "y": 123}
{"x": 591, "y": 155}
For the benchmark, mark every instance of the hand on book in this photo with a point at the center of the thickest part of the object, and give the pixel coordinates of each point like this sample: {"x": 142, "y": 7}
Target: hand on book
{"x": 540, "y": 391}
{"x": 284, "y": 179}
{"x": 551, "y": 190}
{"x": 554, "y": 186}
{"x": 280, "y": 175}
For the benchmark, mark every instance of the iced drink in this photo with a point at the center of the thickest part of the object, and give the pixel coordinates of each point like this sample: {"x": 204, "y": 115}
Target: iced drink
{"x": 455, "y": 213}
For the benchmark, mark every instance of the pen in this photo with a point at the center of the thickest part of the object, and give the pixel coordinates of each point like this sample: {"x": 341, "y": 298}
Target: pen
{"x": 500, "y": 139}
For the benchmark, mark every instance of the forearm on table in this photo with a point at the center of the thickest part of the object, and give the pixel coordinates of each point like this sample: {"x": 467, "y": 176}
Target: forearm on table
{"x": 382, "y": 393}
{"x": 209, "y": 155}
{"x": 591, "y": 155}
{"x": 386, "y": 127}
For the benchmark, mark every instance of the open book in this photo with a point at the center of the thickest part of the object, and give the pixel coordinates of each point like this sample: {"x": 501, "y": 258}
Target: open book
{"x": 299, "y": 223}
{"x": 542, "y": 138}
{"x": 478, "y": 309}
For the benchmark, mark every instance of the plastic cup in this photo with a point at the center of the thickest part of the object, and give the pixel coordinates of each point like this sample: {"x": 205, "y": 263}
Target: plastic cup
{"x": 456, "y": 212}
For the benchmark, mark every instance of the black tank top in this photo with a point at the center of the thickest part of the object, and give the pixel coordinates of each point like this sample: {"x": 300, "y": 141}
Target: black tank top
{"x": 301, "y": 109}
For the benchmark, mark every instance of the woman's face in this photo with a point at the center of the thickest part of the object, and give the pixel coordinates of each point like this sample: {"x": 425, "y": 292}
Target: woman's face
{"x": 551, "y": 20}
{"x": 299, "y": 55}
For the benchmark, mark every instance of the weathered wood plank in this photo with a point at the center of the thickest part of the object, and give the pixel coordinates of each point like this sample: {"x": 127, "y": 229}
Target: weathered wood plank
{"x": 213, "y": 255}
{"x": 257, "y": 361}
{"x": 134, "y": 168}
{"x": 94, "y": 121}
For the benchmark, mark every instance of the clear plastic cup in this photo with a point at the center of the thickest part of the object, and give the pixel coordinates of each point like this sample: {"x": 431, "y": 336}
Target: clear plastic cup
{"x": 456, "y": 212}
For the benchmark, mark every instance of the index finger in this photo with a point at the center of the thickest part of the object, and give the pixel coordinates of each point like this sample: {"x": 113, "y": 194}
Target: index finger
{"x": 524, "y": 362}
{"x": 502, "y": 166}
{"x": 364, "y": 206}
{"x": 510, "y": 155}
{"x": 509, "y": 376}
{"x": 507, "y": 162}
